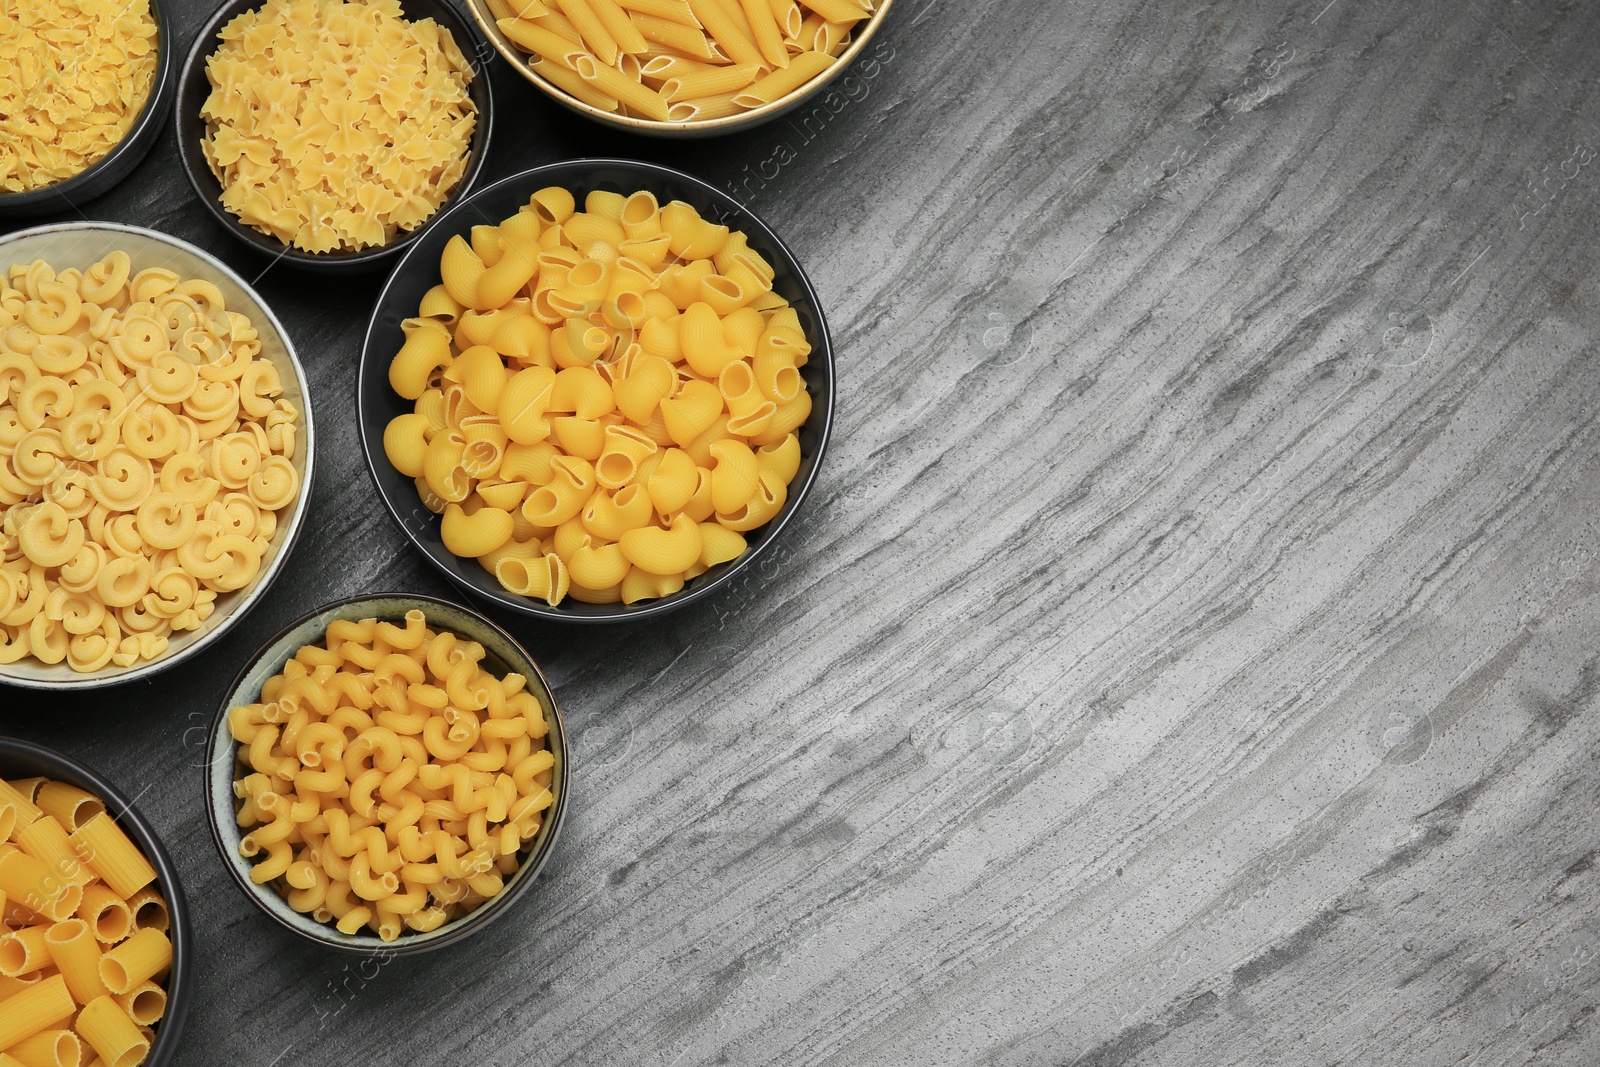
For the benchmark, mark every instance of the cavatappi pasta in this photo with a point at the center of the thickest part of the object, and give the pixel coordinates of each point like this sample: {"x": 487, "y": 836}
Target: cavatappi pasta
{"x": 606, "y": 400}
{"x": 145, "y": 453}
{"x": 74, "y": 75}
{"x": 333, "y": 125}
{"x": 679, "y": 60}
{"x": 388, "y": 781}
{"x": 80, "y": 976}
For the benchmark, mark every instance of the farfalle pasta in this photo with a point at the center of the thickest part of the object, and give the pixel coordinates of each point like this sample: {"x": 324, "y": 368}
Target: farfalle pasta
{"x": 334, "y": 126}
{"x": 606, "y": 400}
{"x": 74, "y": 75}
{"x": 387, "y": 780}
{"x": 145, "y": 452}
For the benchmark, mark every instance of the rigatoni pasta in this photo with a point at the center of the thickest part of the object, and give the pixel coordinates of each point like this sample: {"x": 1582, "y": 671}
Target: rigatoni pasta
{"x": 79, "y": 982}
{"x": 679, "y": 60}
{"x": 387, "y": 780}
{"x": 605, "y": 400}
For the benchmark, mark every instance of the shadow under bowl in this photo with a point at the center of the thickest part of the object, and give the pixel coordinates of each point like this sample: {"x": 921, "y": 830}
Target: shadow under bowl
{"x": 193, "y": 88}
{"x": 502, "y": 654}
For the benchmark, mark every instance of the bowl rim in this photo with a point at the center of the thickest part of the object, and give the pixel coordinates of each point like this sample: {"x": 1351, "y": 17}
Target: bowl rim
{"x": 179, "y": 985}
{"x": 193, "y": 163}
{"x": 219, "y": 771}
{"x": 162, "y": 88}
{"x": 296, "y": 521}
{"x": 696, "y": 127}
{"x": 372, "y": 445}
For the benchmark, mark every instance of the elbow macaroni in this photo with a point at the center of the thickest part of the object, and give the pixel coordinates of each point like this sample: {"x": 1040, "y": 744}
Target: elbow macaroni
{"x": 582, "y": 435}
{"x": 84, "y": 980}
{"x": 144, "y": 456}
{"x": 388, "y": 781}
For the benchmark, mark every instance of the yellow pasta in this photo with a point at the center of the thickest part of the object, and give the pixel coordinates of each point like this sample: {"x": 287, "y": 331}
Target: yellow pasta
{"x": 115, "y": 1038}
{"x": 135, "y": 961}
{"x": 80, "y": 74}
{"x": 442, "y": 764}
{"x": 586, "y": 466}
{"x": 60, "y": 996}
{"x": 152, "y": 453}
{"x": 682, "y": 60}
{"x": 328, "y": 145}
{"x": 102, "y": 845}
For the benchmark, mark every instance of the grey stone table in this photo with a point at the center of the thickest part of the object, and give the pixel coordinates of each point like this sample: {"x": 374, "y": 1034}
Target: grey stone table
{"x": 1189, "y": 653}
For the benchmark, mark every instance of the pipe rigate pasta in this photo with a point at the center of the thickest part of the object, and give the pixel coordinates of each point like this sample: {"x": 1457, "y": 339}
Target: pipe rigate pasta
{"x": 134, "y": 485}
{"x": 387, "y": 780}
{"x": 85, "y": 951}
{"x": 606, "y": 408}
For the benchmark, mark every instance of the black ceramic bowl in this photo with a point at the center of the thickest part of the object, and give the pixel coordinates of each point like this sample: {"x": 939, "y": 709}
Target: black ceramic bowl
{"x": 193, "y": 88}
{"x": 120, "y": 161}
{"x": 503, "y": 654}
{"x": 378, "y": 404}
{"x": 23, "y": 759}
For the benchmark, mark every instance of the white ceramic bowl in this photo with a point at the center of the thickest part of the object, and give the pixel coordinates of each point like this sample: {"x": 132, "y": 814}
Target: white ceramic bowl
{"x": 79, "y": 244}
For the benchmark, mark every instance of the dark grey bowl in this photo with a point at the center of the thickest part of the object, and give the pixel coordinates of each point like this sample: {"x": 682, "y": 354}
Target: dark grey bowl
{"x": 414, "y": 275}
{"x": 193, "y": 88}
{"x": 119, "y": 162}
{"x": 23, "y": 759}
{"x": 503, "y": 654}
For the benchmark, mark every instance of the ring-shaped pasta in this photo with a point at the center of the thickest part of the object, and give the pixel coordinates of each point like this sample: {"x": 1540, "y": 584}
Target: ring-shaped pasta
{"x": 124, "y": 480}
{"x": 40, "y": 456}
{"x": 274, "y": 485}
{"x": 47, "y": 537}
{"x": 59, "y": 354}
{"x": 151, "y": 433}
{"x": 165, "y": 520}
{"x": 104, "y": 280}
{"x": 79, "y": 573}
{"x": 169, "y": 379}
{"x": 123, "y": 582}
{"x": 54, "y": 309}
{"x": 44, "y": 398}
{"x": 90, "y": 435}
{"x": 233, "y": 459}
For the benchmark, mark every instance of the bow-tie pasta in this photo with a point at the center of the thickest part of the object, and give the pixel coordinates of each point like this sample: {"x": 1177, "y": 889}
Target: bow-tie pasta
{"x": 335, "y": 126}
{"x": 145, "y": 452}
{"x": 607, "y": 400}
{"x": 74, "y": 74}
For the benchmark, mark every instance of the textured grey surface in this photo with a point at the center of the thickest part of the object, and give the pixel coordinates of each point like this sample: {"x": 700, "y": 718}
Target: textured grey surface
{"x": 1188, "y": 654}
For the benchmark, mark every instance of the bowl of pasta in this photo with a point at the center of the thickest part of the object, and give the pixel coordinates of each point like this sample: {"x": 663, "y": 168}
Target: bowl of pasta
{"x": 420, "y": 790}
{"x": 681, "y": 68}
{"x": 155, "y": 453}
{"x": 110, "y": 83}
{"x": 607, "y": 406}
{"x": 97, "y": 947}
{"x": 356, "y": 149}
